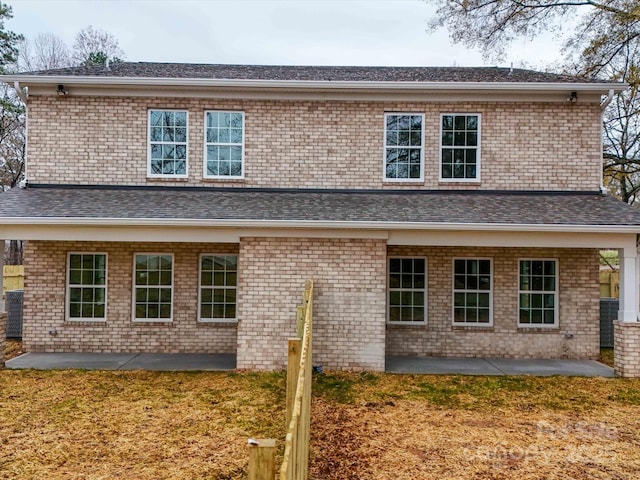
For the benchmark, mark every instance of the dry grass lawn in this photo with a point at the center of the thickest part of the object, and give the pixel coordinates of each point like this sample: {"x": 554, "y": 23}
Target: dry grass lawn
{"x": 150, "y": 425}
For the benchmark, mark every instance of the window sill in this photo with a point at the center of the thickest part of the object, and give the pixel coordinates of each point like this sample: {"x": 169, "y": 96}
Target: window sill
{"x": 152, "y": 323}
{"x": 224, "y": 179}
{"x": 472, "y": 328}
{"x": 551, "y": 329}
{"x": 417, "y": 181}
{"x": 216, "y": 324}
{"x": 168, "y": 179}
{"x": 405, "y": 326}
{"x": 72, "y": 321}
{"x": 458, "y": 181}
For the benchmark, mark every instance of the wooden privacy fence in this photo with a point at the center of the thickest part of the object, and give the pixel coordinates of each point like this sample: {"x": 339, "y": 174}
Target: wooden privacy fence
{"x": 13, "y": 276}
{"x": 295, "y": 464}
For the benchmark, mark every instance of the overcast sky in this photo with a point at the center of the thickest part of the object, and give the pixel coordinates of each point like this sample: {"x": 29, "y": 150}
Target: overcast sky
{"x": 295, "y": 32}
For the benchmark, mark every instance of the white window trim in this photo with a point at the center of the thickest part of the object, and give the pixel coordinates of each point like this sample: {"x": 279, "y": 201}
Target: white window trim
{"x": 134, "y": 285}
{"x": 204, "y": 166}
{"x": 160, "y": 175}
{"x": 425, "y": 290}
{"x": 216, "y": 320}
{"x": 556, "y": 313}
{"x": 454, "y": 290}
{"x": 106, "y": 292}
{"x": 384, "y": 151}
{"x": 478, "y": 151}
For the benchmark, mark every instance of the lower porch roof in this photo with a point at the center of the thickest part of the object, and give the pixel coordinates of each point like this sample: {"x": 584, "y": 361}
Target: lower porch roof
{"x": 311, "y": 208}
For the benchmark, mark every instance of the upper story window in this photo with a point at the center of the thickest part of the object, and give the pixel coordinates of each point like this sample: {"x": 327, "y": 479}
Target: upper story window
{"x": 167, "y": 143}
{"x": 224, "y": 144}
{"x": 404, "y": 147}
{"x": 460, "y": 147}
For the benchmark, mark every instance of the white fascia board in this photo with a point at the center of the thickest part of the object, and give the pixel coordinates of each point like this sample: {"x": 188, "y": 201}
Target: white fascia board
{"x": 312, "y": 224}
{"x": 107, "y": 82}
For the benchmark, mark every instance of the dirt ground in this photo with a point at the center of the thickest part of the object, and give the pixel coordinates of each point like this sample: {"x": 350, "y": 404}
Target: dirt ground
{"x": 160, "y": 425}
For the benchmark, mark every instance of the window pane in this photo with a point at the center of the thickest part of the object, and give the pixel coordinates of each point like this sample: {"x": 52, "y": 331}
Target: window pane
{"x": 549, "y": 284}
{"x": 549, "y": 317}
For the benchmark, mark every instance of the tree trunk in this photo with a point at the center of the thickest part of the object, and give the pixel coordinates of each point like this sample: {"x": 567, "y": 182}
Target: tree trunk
{"x": 14, "y": 253}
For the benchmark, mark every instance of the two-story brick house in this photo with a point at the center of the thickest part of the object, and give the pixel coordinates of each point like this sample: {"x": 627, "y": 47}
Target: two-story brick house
{"x": 441, "y": 211}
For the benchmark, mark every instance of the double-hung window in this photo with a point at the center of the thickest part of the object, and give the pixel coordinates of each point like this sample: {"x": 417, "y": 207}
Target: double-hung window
{"x": 218, "y": 288}
{"x": 87, "y": 286}
{"x": 460, "y": 147}
{"x": 224, "y": 144}
{"x": 153, "y": 287}
{"x": 404, "y": 147}
{"x": 538, "y": 298}
{"x": 407, "y": 290}
{"x": 472, "y": 287}
{"x": 167, "y": 143}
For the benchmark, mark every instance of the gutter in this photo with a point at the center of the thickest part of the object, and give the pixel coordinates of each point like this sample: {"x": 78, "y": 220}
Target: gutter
{"x": 313, "y": 224}
{"x": 73, "y": 80}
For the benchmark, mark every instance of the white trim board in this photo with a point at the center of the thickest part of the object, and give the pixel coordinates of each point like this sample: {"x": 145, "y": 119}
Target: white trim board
{"x": 186, "y": 234}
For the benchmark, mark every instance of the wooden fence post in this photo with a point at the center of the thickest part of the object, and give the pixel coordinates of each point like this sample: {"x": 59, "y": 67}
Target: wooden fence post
{"x": 262, "y": 459}
{"x": 293, "y": 367}
{"x": 300, "y": 311}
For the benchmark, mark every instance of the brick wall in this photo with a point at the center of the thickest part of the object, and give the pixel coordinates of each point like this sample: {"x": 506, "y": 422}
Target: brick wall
{"x": 626, "y": 354}
{"x": 578, "y": 300}
{"x": 44, "y": 303}
{"x": 349, "y": 308}
{"x": 313, "y": 144}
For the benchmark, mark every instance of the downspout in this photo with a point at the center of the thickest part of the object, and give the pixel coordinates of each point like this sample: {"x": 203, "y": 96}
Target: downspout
{"x": 603, "y": 106}
{"x": 25, "y": 99}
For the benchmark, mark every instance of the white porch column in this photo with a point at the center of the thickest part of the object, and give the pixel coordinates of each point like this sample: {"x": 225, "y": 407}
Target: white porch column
{"x": 629, "y": 296}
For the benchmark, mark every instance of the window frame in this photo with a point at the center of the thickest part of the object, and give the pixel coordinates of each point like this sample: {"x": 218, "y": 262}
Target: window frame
{"x": 150, "y": 173}
{"x": 478, "y": 176}
{"x": 206, "y": 144}
{"x": 68, "y": 316}
{"x": 454, "y": 291}
{"x": 556, "y": 293}
{"x": 134, "y": 286}
{"x": 217, "y": 320}
{"x": 425, "y": 290}
{"x": 385, "y": 147}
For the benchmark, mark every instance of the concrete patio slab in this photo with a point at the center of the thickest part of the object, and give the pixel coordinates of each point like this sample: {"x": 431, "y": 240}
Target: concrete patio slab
{"x": 498, "y": 366}
{"x": 441, "y": 366}
{"x": 181, "y": 362}
{"x": 124, "y": 361}
{"x": 547, "y": 367}
{"x": 85, "y": 361}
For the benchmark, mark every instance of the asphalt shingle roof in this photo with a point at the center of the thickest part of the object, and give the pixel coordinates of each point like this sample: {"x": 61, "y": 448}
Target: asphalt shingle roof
{"x": 316, "y": 73}
{"x": 210, "y": 204}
